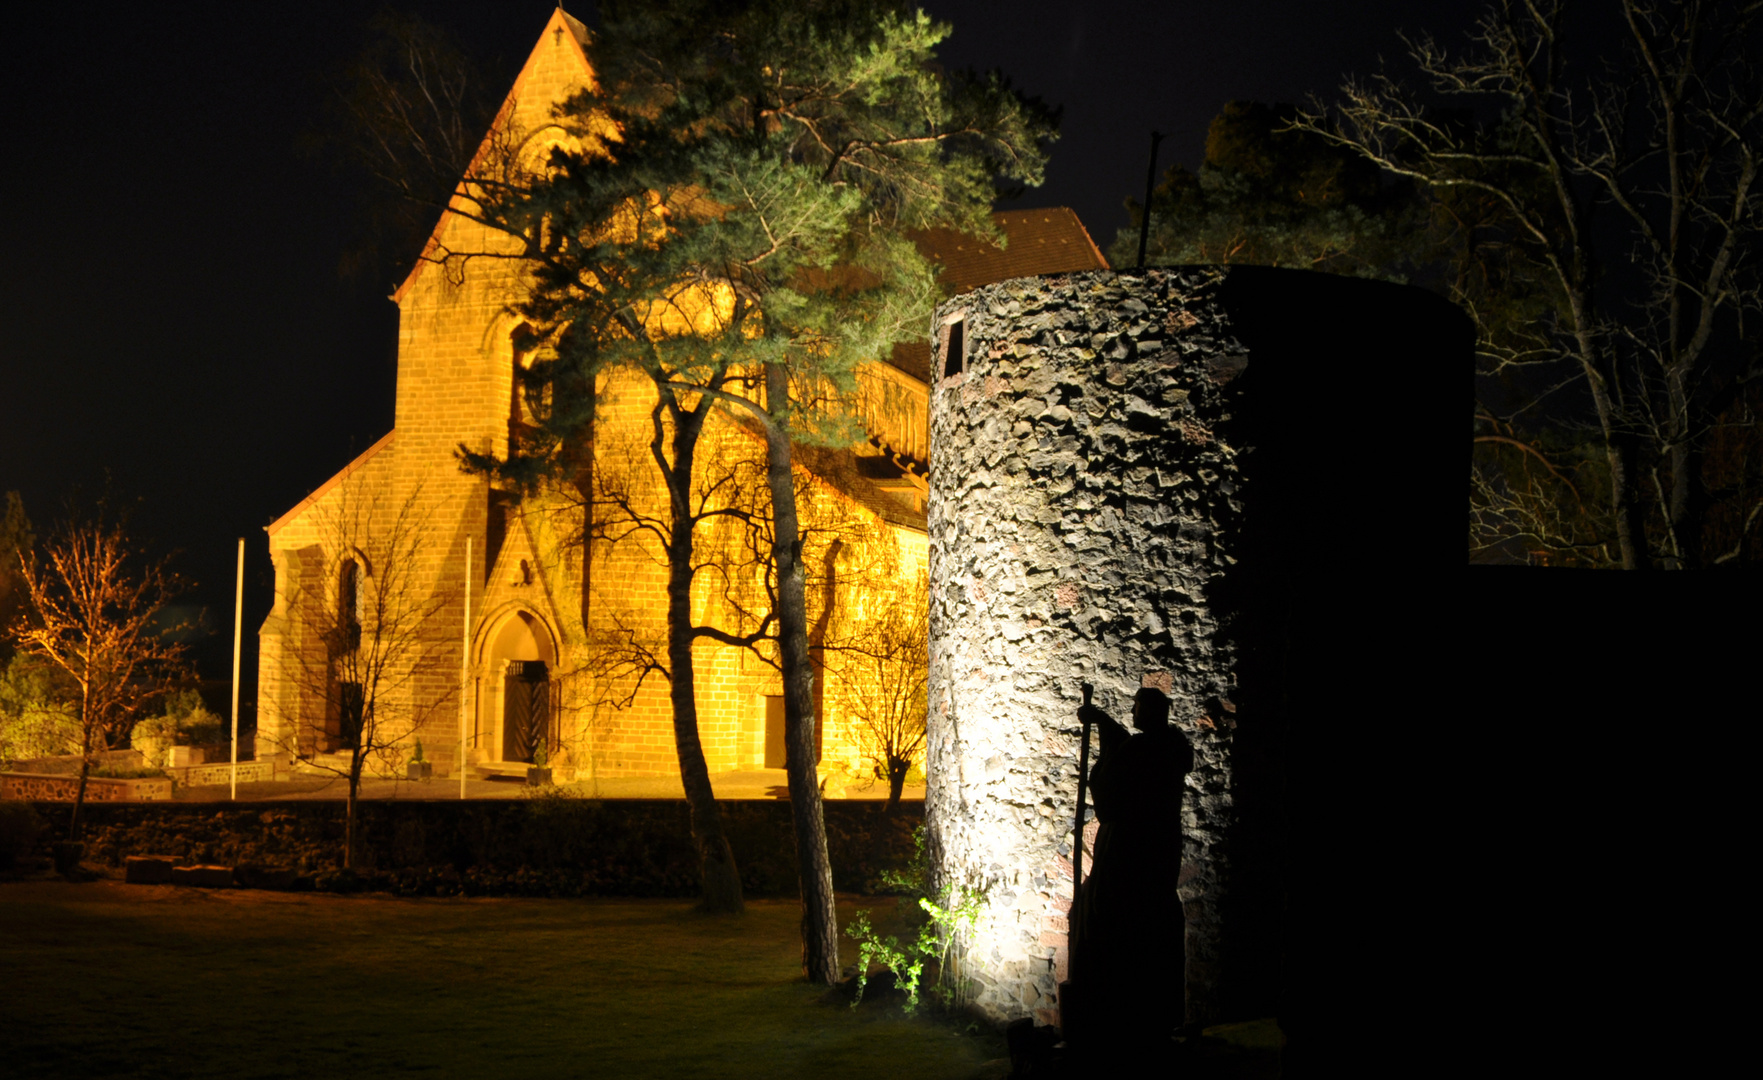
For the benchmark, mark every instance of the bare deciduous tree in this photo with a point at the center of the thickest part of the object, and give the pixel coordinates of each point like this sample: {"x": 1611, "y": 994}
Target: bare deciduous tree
{"x": 371, "y": 683}
{"x": 96, "y": 601}
{"x": 704, "y": 489}
{"x": 1625, "y": 191}
{"x": 407, "y": 116}
{"x": 882, "y": 659}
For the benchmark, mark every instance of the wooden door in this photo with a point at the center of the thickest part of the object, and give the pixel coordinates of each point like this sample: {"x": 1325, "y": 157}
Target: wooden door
{"x": 526, "y": 709}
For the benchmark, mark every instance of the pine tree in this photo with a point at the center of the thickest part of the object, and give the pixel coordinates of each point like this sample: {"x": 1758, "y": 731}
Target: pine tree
{"x": 731, "y": 221}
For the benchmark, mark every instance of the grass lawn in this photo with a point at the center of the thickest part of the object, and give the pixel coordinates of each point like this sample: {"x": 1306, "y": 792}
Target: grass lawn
{"x": 103, "y": 979}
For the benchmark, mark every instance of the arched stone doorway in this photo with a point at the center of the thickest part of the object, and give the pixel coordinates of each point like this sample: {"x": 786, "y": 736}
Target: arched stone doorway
{"x": 516, "y": 704}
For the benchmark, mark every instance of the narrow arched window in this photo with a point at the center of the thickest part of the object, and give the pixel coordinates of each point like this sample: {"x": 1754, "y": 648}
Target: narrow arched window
{"x": 523, "y": 345}
{"x": 528, "y": 401}
{"x": 349, "y": 604}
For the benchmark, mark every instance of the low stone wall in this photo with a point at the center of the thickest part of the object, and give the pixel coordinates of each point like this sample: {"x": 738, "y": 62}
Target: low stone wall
{"x": 529, "y": 847}
{"x": 58, "y": 787}
{"x": 222, "y": 772}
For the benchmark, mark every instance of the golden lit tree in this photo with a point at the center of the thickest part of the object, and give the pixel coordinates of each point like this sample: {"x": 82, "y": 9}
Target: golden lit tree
{"x": 96, "y": 602}
{"x": 881, "y": 656}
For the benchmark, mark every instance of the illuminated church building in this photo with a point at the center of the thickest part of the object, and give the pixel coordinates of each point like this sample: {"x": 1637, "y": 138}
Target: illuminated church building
{"x": 546, "y": 604}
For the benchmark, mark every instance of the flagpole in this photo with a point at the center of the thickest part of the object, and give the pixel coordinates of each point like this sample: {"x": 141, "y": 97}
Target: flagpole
{"x": 238, "y": 633}
{"x": 464, "y": 667}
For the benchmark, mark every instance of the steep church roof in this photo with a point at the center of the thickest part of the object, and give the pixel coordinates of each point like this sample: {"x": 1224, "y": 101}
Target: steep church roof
{"x": 319, "y": 492}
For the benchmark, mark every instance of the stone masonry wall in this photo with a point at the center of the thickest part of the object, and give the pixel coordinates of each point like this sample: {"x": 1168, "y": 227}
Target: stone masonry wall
{"x": 456, "y": 386}
{"x": 1083, "y": 506}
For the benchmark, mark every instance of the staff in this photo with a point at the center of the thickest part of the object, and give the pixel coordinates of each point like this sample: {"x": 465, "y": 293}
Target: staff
{"x": 1083, "y": 766}
{"x": 1067, "y": 1028}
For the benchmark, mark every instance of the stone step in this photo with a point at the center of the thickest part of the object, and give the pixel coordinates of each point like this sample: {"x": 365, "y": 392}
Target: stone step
{"x": 487, "y": 770}
{"x": 210, "y": 877}
{"x": 150, "y": 869}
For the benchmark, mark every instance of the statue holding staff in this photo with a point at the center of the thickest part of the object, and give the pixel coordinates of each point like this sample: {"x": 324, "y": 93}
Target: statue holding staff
{"x": 1127, "y": 955}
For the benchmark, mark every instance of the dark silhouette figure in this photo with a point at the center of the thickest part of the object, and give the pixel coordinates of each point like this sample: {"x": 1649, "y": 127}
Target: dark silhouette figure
{"x": 1127, "y": 954}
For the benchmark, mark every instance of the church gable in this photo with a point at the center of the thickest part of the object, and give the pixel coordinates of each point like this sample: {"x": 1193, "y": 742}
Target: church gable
{"x": 316, "y": 550}
{"x": 519, "y": 568}
{"x": 367, "y": 477}
{"x": 556, "y": 68}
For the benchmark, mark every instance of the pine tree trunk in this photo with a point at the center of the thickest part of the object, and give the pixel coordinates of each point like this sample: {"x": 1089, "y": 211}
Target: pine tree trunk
{"x": 721, "y": 879}
{"x": 716, "y": 860}
{"x": 820, "y": 929}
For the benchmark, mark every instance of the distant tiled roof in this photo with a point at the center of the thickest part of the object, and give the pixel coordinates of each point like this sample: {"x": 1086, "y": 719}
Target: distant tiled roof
{"x": 1050, "y": 241}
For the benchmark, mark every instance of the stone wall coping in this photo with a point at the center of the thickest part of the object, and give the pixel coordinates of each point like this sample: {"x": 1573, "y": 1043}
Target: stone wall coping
{"x": 141, "y": 789}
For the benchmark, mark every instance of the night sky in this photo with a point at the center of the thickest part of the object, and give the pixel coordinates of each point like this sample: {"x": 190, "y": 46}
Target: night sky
{"x": 173, "y": 307}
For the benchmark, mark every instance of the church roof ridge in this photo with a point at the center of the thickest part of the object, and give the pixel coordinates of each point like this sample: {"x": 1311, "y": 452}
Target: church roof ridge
{"x": 1049, "y": 240}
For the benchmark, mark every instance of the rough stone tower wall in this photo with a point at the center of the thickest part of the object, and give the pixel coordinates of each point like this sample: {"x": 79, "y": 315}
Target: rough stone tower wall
{"x": 1163, "y": 478}
{"x": 1083, "y": 501}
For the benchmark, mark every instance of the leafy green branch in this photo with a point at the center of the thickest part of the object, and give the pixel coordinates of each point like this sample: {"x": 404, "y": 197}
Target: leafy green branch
{"x": 949, "y": 912}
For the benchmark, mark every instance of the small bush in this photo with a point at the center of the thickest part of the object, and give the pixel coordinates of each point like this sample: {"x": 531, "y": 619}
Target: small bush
{"x": 185, "y": 722}
{"x": 937, "y": 919}
{"x": 39, "y": 711}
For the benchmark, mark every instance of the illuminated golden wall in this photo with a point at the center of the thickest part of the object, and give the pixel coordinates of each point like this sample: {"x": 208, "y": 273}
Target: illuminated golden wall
{"x": 537, "y": 592}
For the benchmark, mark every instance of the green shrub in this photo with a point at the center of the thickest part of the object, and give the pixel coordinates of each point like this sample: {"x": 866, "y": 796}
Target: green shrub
{"x": 39, "y": 711}
{"x": 947, "y": 914}
{"x": 185, "y": 722}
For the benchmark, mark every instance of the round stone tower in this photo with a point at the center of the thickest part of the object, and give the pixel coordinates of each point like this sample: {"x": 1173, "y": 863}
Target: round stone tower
{"x": 1139, "y": 479}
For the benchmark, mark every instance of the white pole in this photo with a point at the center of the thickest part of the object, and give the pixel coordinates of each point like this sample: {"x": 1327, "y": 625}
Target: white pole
{"x": 464, "y": 668}
{"x": 238, "y": 633}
